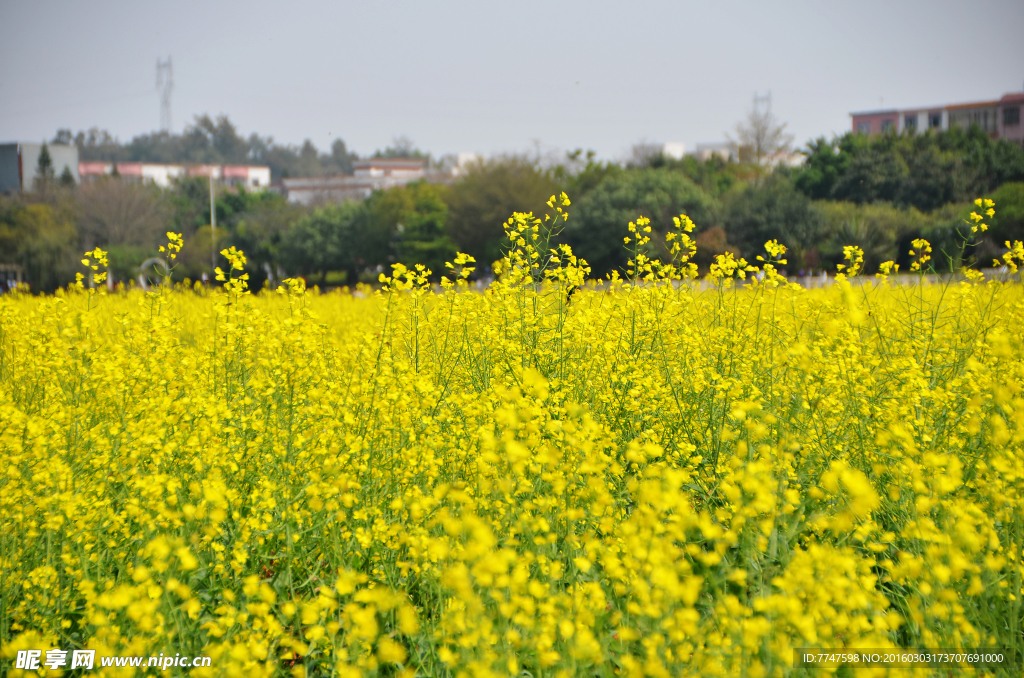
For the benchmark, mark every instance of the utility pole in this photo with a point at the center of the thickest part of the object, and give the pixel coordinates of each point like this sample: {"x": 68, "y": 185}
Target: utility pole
{"x": 765, "y": 100}
{"x": 213, "y": 231}
{"x": 164, "y": 85}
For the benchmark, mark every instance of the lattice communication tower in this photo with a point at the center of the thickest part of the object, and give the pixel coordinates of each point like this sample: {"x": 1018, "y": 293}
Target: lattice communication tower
{"x": 164, "y": 85}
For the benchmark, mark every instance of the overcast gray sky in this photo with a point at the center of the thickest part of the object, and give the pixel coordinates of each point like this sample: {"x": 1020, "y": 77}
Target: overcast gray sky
{"x": 492, "y": 77}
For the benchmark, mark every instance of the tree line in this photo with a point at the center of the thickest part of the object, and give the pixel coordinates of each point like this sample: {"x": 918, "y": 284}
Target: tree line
{"x": 878, "y": 193}
{"x": 213, "y": 141}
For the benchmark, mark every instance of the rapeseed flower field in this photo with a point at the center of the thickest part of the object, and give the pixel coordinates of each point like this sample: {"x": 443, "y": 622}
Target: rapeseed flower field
{"x": 647, "y": 476}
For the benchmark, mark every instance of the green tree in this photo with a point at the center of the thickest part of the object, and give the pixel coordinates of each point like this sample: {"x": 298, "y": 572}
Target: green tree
{"x": 930, "y": 180}
{"x": 774, "y": 210}
{"x": 258, "y": 224}
{"x": 877, "y": 243}
{"x": 209, "y": 140}
{"x": 44, "y": 171}
{"x": 826, "y": 162}
{"x": 308, "y": 162}
{"x": 189, "y": 201}
{"x": 341, "y": 159}
{"x": 924, "y": 170}
{"x": 416, "y": 218}
{"x": 126, "y": 218}
{"x": 710, "y": 243}
{"x": 875, "y": 175}
{"x": 194, "y": 260}
{"x": 1008, "y": 224}
{"x": 482, "y": 201}
{"x": 578, "y": 183}
{"x": 67, "y": 179}
{"x": 944, "y": 228}
{"x": 96, "y": 144}
{"x": 42, "y": 239}
{"x": 714, "y": 175}
{"x": 598, "y": 220}
{"x": 338, "y": 237}
{"x": 401, "y": 147}
{"x": 884, "y": 232}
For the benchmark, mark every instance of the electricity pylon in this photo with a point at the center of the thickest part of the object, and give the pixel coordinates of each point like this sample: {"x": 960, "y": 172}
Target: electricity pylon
{"x": 164, "y": 85}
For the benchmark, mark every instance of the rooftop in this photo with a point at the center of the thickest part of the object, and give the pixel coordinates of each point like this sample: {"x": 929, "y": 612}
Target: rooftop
{"x": 1012, "y": 97}
{"x": 887, "y": 111}
{"x": 403, "y": 163}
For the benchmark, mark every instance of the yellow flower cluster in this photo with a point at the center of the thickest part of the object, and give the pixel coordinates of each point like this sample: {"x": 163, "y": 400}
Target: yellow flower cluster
{"x": 174, "y": 244}
{"x": 854, "y": 258}
{"x": 235, "y": 280}
{"x": 653, "y": 477}
{"x": 923, "y": 253}
{"x": 93, "y": 262}
{"x": 976, "y": 220}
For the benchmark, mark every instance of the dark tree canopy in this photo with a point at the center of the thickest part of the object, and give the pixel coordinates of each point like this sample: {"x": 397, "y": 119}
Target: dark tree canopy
{"x": 598, "y": 219}
{"x": 42, "y": 239}
{"x": 925, "y": 170}
{"x": 43, "y": 180}
{"x": 415, "y": 217}
{"x": 773, "y": 210}
{"x": 213, "y": 140}
{"x": 328, "y": 239}
{"x": 483, "y": 200}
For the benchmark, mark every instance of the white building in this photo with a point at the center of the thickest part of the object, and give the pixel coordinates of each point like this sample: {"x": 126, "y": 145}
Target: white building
{"x": 374, "y": 174}
{"x": 249, "y": 177}
{"x": 464, "y": 160}
{"x": 674, "y": 150}
{"x": 312, "y": 191}
{"x": 399, "y": 168}
{"x": 787, "y": 158}
{"x": 999, "y": 118}
{"x": 728, "y": 151}
{"x": 19, "y": 161}
{"x": 722, "y": 149}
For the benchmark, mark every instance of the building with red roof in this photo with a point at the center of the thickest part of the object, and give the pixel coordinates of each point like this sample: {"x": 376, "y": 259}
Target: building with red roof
{"x": 999, "y": 118}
